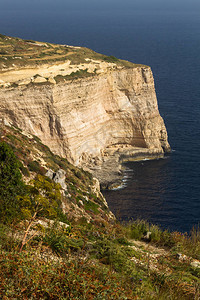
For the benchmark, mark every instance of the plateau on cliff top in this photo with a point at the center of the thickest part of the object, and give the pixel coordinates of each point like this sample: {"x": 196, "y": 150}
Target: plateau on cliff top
{"x": 93, "y": 109}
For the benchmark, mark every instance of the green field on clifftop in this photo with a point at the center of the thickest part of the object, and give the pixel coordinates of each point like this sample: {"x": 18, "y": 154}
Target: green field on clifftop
{"x": 21, "y": 53}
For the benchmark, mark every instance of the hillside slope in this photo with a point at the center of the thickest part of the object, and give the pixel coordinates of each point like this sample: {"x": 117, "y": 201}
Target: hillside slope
{"x": 73, "y": 248}
{"x": 81, "y": 196}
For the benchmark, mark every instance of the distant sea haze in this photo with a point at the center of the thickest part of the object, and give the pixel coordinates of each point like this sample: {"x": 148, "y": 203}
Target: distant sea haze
{"x": 165, "y": 191}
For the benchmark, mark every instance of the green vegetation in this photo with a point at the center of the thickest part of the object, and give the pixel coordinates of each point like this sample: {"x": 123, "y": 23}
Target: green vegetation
{"x": 27, "y": 52}
{"x": 140, "y": 228}
{"x": 34, "y": 166}
{"x": 91, "y": 206}
{"x": 73, "y": 75}
{"x": 111, "y": 59}
{"x": 90, "y": 261}
{"x": 82, "y": 253}
{"x": 43, "y": 198}
{"x": 66, "y": 280}
{"x": 11, "y": 184}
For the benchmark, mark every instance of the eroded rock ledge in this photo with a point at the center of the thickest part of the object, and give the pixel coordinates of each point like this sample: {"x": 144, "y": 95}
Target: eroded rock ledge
{"x": 110, "y": 170}
{"x": 95, "y": 121}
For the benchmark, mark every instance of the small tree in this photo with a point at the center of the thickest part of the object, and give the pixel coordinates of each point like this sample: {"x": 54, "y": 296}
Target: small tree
{"x": 42, "y": 199}
{"x": 25, "y": 202}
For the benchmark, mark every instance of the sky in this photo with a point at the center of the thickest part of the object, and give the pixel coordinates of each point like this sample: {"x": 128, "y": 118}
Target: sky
{"x": 191, "y": 5}
{"x": 84, "y": 21}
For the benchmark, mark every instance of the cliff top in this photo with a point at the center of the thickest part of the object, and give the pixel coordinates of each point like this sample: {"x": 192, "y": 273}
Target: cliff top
{"x": 26, "y": 59}
{"x": 28, "y": 52}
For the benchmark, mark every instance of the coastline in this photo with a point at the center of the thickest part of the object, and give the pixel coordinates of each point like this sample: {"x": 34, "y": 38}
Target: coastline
{"x": 111, "y": 171}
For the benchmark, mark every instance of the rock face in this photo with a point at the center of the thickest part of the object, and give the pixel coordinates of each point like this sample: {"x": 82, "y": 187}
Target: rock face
{"x": 88, "y": 120}
{"x": 58, "y": 177}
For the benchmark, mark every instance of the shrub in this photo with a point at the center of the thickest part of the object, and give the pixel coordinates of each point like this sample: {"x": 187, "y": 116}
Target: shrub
{"x": 78, "y": 174}
{"x": 11, "y": 184}
{"x": 43, "y": 198}
{"x": 138, "y": 229}
{"x": 88, "y": 174}
{"x": 30, "y": 41}
{"x": 23, "y": 279}
{"x": 91, "y": 206}
{"x": 24, "y": 171}
{"x": 58, "y": 239}
{"x": 111, "y": 59}
{"x": 3, "y": 52}
{"x": 8, "y": 239}
{"x": 34, "y": 166}
{"x": 110, "y": 253}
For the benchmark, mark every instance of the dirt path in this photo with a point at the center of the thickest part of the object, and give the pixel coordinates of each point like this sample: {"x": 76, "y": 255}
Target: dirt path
{"x": 166, "y": 264}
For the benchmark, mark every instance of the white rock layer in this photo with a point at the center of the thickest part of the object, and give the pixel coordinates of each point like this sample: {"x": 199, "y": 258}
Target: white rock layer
{"x": 81, "y": 118}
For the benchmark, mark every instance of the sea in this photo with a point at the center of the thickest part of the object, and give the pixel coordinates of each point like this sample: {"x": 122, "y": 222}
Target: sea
{"x": 164, "y": 35}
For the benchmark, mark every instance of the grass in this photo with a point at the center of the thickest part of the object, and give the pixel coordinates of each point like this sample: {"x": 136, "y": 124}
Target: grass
{"x": 188, "y": 244}
{"x": 27, "y": 52}
{"x": 91, "y": 206}
{"x": 66, "y": 280}
{"x": 73, "y": 75}
{"x": 94, "y": 257}
{"x": 89, "y": 261}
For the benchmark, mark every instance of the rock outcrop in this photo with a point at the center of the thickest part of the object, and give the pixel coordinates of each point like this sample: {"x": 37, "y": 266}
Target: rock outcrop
{"x": 112, "y": 114}
{"x": 58, "y": 177}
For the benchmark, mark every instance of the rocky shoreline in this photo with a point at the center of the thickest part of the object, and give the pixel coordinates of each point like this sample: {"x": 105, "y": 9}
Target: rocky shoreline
{"x": 110, "y": 169}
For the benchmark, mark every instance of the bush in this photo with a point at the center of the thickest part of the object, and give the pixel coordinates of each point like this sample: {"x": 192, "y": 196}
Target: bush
{"x": 78, "y": 174}
{"x": 111, "y": 59}
{"x": 138, "y": 229}
{"x": 11, "y": 184}
{"x": 8, "y": 241}
{"x": 91, "y": 206}
{"x": 34, "y": 166}
{"x": 111, "y": 253}
{"x": 28, "y": 277}
{"x": 58, "y": 239}
{"x": 24, "y": 171}
{"x": 3, "y": 52}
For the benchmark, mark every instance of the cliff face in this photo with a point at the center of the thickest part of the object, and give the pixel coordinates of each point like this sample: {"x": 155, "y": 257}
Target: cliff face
{"x": 111, "y": 112}
{"x": 80, "y": 119}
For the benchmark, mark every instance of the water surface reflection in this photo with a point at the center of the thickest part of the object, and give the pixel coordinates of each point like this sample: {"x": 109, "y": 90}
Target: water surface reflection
{"x": 153, "y": 192}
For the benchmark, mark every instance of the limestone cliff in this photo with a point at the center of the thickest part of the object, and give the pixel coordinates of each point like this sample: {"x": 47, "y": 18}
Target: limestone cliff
{"x": 111, "y": 111}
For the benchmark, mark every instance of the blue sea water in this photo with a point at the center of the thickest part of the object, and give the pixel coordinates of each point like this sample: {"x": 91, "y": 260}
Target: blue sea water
{"x": 165, "y": 191}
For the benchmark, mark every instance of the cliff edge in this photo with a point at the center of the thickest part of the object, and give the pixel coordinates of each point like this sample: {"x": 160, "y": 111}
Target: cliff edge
{"x": 92, "y": 109}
